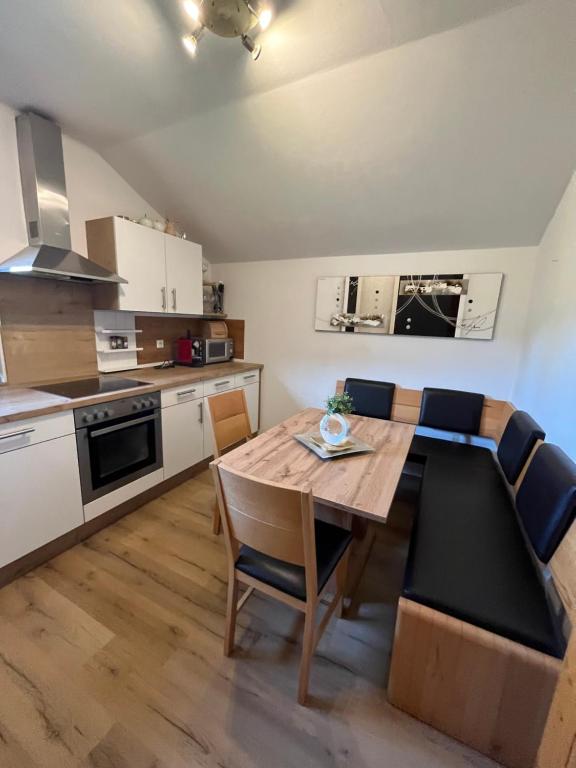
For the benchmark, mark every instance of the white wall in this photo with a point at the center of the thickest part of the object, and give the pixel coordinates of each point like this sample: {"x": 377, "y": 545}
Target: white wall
{"x": 277, "y": 300}
{"x": 546, "y": 385}
{"x": 94, "y": 190}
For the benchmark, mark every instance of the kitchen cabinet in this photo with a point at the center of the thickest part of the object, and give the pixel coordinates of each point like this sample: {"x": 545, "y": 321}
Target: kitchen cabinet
{"x": 140, "y": 259}
{"x": 40, "y": 494}
{"x": 164, "y": 272}
{"x": 183, "y": 275}
{"x": 252, "y": 392}
{"x": 183, "y": 434}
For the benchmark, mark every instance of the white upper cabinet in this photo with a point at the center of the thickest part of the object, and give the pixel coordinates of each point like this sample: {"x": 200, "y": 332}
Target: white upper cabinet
{"x": 140, "y": 259}
{"x": 184, "y": 276}
{"x": 164, "y": 273}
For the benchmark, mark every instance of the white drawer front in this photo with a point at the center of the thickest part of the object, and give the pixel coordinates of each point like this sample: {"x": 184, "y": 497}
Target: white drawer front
{"x": 20, "y": 434}
{"x": 182, "y": 394}
{"x": 248, "y": 377}
{"x": 215, "y": 386}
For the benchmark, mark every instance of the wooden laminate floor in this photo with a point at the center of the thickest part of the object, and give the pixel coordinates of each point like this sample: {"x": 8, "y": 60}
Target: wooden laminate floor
{"x": 111, "y": 657}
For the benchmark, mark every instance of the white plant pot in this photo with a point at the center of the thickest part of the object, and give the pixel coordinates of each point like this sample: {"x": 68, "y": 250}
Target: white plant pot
{"x": 334, "y": 428}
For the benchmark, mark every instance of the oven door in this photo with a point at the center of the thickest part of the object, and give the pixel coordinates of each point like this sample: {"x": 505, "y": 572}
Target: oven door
{"x": 115, "y": 454}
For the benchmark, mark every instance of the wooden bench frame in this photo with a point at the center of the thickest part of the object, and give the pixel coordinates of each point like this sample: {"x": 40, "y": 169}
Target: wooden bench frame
{"x": 510, "y": 702}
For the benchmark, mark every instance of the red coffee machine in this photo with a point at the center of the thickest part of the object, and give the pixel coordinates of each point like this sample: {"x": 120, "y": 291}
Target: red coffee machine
{"x": 189, "y": 352}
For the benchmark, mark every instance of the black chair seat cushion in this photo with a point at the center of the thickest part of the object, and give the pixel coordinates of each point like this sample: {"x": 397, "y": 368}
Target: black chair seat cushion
{"x": 546, "y": 500}
{"x": 451, "y": 410}
{"x": 432, "y": 448}
{"x": 371, "y": 398}
{"x": 468, "y": 557}
{"x": 331, "y": 543}
{"x": 519, "y": 438}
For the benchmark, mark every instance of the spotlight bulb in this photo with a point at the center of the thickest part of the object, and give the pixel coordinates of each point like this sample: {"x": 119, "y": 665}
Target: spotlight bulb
{"x": 192, "y": 9}
{"x": 190, "y": 43}
{"x": 264, "y": 18}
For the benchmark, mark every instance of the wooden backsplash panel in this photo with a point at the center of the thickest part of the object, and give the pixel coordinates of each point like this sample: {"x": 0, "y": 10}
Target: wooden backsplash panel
{"x": 47, "y": 330}
{"x": 167, "y": 328}
{"x": 172, "y": 328}
{"x": 236, "y": 332}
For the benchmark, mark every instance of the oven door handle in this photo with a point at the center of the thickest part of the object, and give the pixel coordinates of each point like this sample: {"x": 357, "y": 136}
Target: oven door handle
{"x": 118, "y": 427}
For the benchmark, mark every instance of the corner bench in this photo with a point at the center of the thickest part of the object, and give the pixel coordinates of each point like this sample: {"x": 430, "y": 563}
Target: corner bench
{"x": 478, "y": 642}
{"x": 478, "y": 649}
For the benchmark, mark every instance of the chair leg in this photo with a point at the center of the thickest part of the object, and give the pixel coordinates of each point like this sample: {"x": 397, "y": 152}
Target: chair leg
{"x": 216, "y": 523}
{"x": 231, "y": 611}
{"x": 341, "y": 580}
{"x": 307, "y": 652}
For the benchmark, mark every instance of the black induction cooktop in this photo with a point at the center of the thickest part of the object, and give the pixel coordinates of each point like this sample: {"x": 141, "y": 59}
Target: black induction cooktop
{"x": 100, "y": 385}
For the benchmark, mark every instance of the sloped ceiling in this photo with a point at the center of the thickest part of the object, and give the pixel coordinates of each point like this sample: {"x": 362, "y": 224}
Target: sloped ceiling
{"x": 366, "y": 126}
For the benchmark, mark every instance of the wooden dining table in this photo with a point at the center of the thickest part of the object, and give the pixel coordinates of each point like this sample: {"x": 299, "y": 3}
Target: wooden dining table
{"x": 360, "y": 484}
{"x": 361, "y": 487}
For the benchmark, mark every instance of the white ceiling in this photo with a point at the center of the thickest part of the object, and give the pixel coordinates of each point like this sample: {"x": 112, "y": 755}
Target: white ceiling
{"x": 365, "y": 126}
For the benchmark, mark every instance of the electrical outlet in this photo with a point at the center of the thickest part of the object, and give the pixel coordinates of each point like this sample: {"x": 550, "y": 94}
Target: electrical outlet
{"x": 159, "y": 343}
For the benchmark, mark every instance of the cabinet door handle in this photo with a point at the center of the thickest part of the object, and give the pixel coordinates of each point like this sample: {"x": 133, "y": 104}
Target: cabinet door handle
{"x": 201, "y": 416}
{"x": 163, "y": 291}
{"x": 20, "y": 433}
{"x": 174, "y": 299}
{"x": 186, "y": 392}
{"x": 252, "y": 376}
{"x": 221, "y": 383}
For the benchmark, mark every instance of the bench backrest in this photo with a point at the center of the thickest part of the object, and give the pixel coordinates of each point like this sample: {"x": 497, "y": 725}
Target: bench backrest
{"x": 407, "y": 402}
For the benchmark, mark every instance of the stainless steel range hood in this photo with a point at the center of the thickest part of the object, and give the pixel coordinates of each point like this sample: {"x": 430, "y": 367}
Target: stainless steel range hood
{"x": 49, "y": 254}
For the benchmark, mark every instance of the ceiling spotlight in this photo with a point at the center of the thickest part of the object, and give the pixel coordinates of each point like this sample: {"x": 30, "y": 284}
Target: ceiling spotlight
{"x": 254, "y": 48}
{"x": 192, "y": 9}
{"x": 227, "y": 18}
{"x": 264, "y": 18}
{"x": 190, "y": 42}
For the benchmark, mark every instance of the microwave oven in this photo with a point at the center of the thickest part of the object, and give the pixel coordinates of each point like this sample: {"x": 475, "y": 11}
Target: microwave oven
{"x": 199, "y": 351}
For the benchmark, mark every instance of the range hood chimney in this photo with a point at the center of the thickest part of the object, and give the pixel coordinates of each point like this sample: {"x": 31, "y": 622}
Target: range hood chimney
{"x": 49, "y": 254}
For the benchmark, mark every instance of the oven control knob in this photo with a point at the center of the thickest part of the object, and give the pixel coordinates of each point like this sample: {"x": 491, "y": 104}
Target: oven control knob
{"x": 88, "y": 418}
{"x": 108, "y": 412}
{"x": 149, "y": 403}
{"x": 137, "y": 405}
{"x": 100, "y": 415}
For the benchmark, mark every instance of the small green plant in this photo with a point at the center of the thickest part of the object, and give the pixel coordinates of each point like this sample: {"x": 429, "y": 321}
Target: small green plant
{"x": 339, "y": 403}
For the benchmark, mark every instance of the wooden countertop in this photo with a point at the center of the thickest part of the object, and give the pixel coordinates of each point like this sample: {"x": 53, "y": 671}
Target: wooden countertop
{"x": 18, "y": 403}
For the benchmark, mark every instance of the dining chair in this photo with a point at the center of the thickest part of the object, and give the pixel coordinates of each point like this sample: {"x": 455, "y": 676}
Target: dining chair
{"x": 230, "y": 426}
{"x": 274, "y": 545}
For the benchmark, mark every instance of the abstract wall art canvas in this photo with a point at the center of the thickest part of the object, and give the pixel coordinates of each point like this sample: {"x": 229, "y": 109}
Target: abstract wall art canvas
{"x": 457, "y": 306}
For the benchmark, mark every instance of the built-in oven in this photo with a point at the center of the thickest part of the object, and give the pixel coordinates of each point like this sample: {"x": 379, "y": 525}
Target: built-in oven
{"x": 118, "y": 442}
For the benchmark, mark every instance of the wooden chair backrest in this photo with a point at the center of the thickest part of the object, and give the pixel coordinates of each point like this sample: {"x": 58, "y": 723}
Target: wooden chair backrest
{"x": 274, "y": 519}
{"x": 406, "y": 408}
{"x": 230, "y": 420}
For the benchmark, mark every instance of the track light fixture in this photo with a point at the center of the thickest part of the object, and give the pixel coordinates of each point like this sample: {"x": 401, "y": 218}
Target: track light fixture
{"x": 251, "y": 46}
{"x": 226, "y": 18}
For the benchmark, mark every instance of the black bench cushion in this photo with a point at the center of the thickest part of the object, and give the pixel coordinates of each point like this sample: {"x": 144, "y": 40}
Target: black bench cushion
{"x": 468, "y": 557}
{"x": 546, "y": 500}
{"x": 331, "y": 543}
{"x": 371, "y": 398}
{"x": 426, "y": 448}
{"x": 451, "y": 410}
{"x": 519, "y": 438}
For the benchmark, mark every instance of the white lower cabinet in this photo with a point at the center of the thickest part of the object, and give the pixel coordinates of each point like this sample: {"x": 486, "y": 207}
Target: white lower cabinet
{"x": 208, "y": 444}
{"x": 182, "y": 436}
{"x": 40, "y": 496}
{"x": 252, "y": 392}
